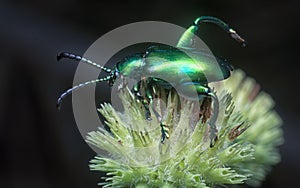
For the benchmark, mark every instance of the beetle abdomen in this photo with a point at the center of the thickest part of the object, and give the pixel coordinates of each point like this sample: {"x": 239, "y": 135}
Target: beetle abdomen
{"x": 175, "y": 66}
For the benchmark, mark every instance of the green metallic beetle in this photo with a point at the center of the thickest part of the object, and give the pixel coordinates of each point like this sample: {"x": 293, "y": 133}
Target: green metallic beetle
{"x": 188, "y": 74}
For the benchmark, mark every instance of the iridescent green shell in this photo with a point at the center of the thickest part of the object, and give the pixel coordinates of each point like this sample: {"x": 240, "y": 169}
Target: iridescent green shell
{"x": 175, "y": 66}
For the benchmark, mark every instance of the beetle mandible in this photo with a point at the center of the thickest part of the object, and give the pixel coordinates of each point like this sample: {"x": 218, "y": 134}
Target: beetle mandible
{"x": 170, "y": 62}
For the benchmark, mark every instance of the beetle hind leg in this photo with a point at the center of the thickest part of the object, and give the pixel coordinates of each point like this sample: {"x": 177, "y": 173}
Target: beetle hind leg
{"x": 205, "y": 109}
{"x": 143, "y": 95}
{"x": 187, "y": 40}
{"x": 212, "y": 122}
{"x": 209, "y": 109}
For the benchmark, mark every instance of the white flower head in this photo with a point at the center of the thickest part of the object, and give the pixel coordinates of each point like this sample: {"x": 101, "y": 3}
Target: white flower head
{"x": 249, "y": 134}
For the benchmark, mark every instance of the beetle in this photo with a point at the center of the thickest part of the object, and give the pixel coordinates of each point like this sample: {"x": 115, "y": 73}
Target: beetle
{"x": 182, "y": 71}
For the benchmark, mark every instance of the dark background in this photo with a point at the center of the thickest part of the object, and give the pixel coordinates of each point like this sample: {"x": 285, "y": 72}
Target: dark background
{"x": 41, "y": 147}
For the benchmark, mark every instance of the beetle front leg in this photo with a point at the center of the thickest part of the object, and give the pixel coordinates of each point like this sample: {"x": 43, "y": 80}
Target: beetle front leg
{"x": 143, "y": 93}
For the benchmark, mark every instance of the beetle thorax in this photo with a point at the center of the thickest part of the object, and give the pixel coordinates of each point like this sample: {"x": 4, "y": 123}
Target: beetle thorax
{"x": 131, "y": 66}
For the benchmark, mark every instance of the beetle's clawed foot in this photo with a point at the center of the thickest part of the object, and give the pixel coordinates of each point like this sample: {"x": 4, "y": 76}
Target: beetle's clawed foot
{"x": 213, "y": 141}
{"x": 148, "y": 116}
{"x": 237, "y": 37}
{"x": 213, "y": 134}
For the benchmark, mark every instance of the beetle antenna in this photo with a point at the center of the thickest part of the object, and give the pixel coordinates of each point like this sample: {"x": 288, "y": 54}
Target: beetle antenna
{"x": 223, "y": 25}
{"x": 71, "y": 90}
{"x": 79, "y": 58}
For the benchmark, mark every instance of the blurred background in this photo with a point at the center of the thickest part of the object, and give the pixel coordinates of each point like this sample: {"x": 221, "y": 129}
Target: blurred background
{"x": 42, "y": 147}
